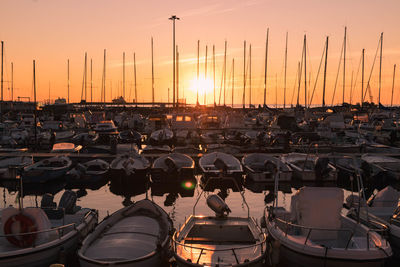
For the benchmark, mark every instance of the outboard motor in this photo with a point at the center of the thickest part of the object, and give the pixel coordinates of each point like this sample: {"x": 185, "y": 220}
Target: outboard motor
{"x": 171, "y": 165}
{"x": 219, "y": 206}
{"x": 220, "y": 165}
{"x": 68, "y": 202}
{"x": 47, "y": 201}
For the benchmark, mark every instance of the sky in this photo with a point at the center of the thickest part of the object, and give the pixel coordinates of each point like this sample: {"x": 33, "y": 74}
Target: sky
{"x": 53, "y": 31}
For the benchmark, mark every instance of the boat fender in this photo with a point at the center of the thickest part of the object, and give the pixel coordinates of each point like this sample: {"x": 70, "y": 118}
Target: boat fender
{"x": 219, "y": 206}
{"x": 26, "y": 225}
{"x": 68, "y": 201}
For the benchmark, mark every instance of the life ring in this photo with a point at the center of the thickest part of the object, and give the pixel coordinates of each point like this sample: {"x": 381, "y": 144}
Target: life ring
{"x": 27, "y": 225}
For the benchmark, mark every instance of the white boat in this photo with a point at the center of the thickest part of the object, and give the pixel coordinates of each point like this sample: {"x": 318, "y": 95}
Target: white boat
{"x": 218, "y": 164}
{"x": 47, "y": 169}
{"x": 261, "y": 167}
{"x": 172, "y": 167}
{"x": 65, "y": 148}
{"x": 50, "y": 236}
{"x": 219, "y": 240}
{"x": 130, "y": 165}
{"x": 90, "y": 169}
{"x": 310, "y": 167}
{"x": 315, "y": 233}
{"x": 137, "y": 235}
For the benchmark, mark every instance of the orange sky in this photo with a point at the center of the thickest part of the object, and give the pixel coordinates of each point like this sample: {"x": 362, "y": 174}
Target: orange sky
{"x": 53, "y": 31}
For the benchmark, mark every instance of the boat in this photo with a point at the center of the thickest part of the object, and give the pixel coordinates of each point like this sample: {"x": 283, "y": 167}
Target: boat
{"x": 65, "y": 148}
{"x": 219, "y": 240}
{"x": 261, "y": 167}
{"x": 88, "y": 173}
{"x": 315, "y": 233}
{"x": 8, "y": 165}
{"x": 49, "y": 234}
{"x": 85, "y": 139}
{"x": 130, "y": 165}
{"x": 310, "y": 167}
{"x": 172, "y": 167}
{"x": 136, "y": 235}
{"x": 381, "y": 165}
{"x": 105, "y": 127}
{"x": 220, "y": 165}
{"x": 64, "y": 135}
{"x": 148, "y": 149}
{"x": 161, "y": 137}
{"x": 47, "y": 169}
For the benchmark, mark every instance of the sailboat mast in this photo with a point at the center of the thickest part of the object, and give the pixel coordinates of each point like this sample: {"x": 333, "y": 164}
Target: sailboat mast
{"x": 68, "y": 80}
{"x": 85, "y": 76}
{"x": 91, "y": 80}
{"x": 2, "y": 68}
{"x": 362, "y": 78}
{"x": 380, "y": 71}
{"x": 351, "y": 88}
{"x": 244, "y": 75}
{"x": 152, "y": 74}
{"x": 276, "y": 90}
{"x": 177, "y": 76}
{"x": 266, "y": 65}
{"x": 284, "y": 89}
{"x": 214, "y": 73}
{"x": 344, "y": 62}
{"x": 233, "y": 79}
{"x": 12, "y": 81}
{"x": 205, "y": 78}
{"x": 104, "y": 77}
{"x": 394, "y": 74}
{"x": 250, "y": 77}
{"x": 198, "y": 71}
{"x": 225, "y": 72}
{"x": 123, "y": 74}
{"x": 325, "y": 68}
{"x": 305, "y": 72}
{"x": 134, "y": 74}
{"x": 34, "y": 100}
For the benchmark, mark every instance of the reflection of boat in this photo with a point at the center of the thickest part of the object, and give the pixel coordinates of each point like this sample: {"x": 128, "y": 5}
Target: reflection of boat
{"x": 47, "y": 169}
{"x": 310, "y": 167}
{"x": 261, "y": 167}
{"x": 54, "y": 231}
{"x": 172, "y": 167}
{"x": 184, "y": 188}
{"x": 35, "y": 189}
{"x": 127, "y": 188}
{"x": 88, "y": 174}
{"x": 219, "y": 240}
{"x": 8, "y": 164}
{"x": 137, "y": 235}
{"x": 221, "y": 165}
{"x": 315, "y": 233}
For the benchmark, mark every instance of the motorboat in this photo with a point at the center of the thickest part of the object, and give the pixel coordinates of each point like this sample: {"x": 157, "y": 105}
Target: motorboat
{"x": 221, "y": 165}
{"x": 64, "y": 135}
{"x": 316, "y": 233}
{"x": 136, "y": 235}
{"x": 105, "y": 127}
{"x": 380, "y": 164}
{"x": 90, "y": 172}
{"x": 310, "y": 167}
{"x": 85, "y": 139}
{"x": 261, "y": 167}
{"x": 149, "y": 149}
{"x": 47, "y": 169}
{"x": 8, "y": 165}
{"x": 219, "y": 240}
{"x": 161, "y": 137}
{"x": 130, "y": 165}
{"x": 172, "y": 167}
{"x": 65, "y": 148}
{"x": 41, "y": 236}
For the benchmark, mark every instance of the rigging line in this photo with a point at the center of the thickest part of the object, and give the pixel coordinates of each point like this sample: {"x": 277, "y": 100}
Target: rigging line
{"x": 300, "y": 75}
{"x": 370, "y": 74}
{"x": 222, "y": 81}
{"x": 355, "y": 80}
{"x": 337, "y": 74}
{"x": 316, "y": 79}
{"x": 294, "y": 87}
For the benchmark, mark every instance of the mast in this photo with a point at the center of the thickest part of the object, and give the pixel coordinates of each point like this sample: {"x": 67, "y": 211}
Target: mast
{"x": 205, "y": 79}
{"x": 298, "y": 88}
{"x": 123, "y": 75}
{"x": 104, "y": 77}
{"x": 134, "y": 74}
{"x": 380, "y": 71}
{"x": 284, "y": 89}
{"x": 362, "y": 78}
{"x": 198, "y": 69}
{"x": 276, "y": 90}
{"x": 244, "y": 75}
{"x": 91, "y": 80}
{"x": 152, "y": 73}
{"x": 177, "y": 76}
{"x": 344, "y": 62}
{"x": 394, "y": 74}
{"x": 351, "y": 87}
{"x": 325, "y": 68}
{"x": 225, "y": 72}
{"x": 68, "y": 80}
{"x": 266, "y": 65}
{"x": 34, "y": 99}
{"x": 85, "y": 76}
{"x": 2, "y": 69}
{"x": 233, "y": 79}
{"x": 305, "y": 72}
{"x": 12, "y": 81}
{"x": 214, "y": 73}
{"x": 250, "y": 77}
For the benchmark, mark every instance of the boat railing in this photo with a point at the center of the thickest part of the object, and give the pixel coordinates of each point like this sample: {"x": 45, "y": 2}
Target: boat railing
{"x": 352, "y": 232}
{"x": 225, "y": 178}
{"x": 259, "y": 244}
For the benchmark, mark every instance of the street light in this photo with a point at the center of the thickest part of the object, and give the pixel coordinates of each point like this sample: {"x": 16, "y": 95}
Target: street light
{"x": 173, "y": 18}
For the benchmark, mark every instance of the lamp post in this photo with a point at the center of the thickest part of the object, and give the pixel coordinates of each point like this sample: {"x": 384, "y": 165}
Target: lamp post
{"x": 173, "y": 18}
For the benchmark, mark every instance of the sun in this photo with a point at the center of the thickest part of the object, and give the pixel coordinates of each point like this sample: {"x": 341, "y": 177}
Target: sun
{"x": 203, "y": 85}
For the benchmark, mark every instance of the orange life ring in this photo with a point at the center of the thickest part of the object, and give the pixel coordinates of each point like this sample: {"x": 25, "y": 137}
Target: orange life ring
{"x": 27, "y": 225}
